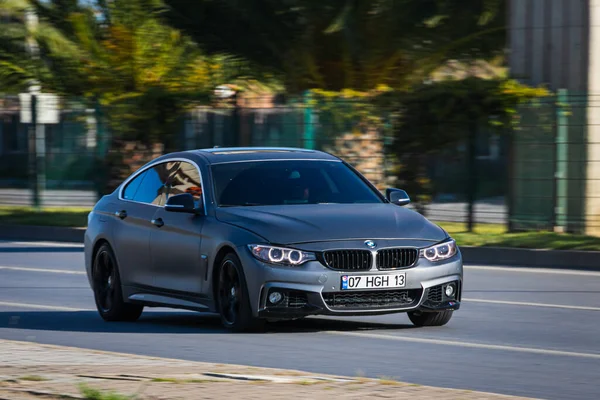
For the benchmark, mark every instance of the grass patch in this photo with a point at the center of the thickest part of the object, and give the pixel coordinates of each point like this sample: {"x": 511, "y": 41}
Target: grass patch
{"x": 175, "y": 380}
{"x": 33, "y": 378}
{"x": 201, "y": 381}
{"x": 483, "y": 235}
{"x": 65, "y": 217}
{"x": 497, "y": 236}
{"x": 359, "y": 381}
{"x": 167, "y": 380}
{"x": 95, "y": 394}
{"x": 307, "y": 383}
{"x": 388, "y": 381}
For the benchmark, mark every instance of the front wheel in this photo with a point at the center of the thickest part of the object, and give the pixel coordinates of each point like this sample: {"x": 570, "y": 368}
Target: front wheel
{"x": 233, "y": 298}
{"x": 438, "y": 318}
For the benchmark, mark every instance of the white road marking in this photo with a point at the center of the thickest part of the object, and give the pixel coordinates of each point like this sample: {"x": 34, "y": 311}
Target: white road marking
{"x": 55, "y": 271}
{"x": 41, "y": 307}
{"x": 46, "y": 244}
{"x": 520, "y": 303}
{"x": 533, "y": 270}
{"x": 467, "y": 344}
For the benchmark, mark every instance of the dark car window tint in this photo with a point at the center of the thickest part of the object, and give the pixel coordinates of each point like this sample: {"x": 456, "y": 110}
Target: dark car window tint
{"x": 289, "y": 182}
{"x": 132, "y": 187}
{"x": 153, "y": 189}
{"x": 186, "y": 179}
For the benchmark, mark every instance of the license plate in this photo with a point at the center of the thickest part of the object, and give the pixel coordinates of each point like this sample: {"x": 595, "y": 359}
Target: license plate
{"x": 350, "y": 282}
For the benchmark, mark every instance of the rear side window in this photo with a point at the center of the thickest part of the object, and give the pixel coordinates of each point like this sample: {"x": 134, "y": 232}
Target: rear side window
{"x": 154, "y": 186}
{"x": 132, "y": 187}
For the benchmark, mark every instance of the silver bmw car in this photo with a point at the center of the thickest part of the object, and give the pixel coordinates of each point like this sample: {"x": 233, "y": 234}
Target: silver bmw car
{"x": 258, "y": 234}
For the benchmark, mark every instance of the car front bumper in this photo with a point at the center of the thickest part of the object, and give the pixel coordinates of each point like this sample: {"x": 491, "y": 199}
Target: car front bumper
{"x": 313, "y": 289}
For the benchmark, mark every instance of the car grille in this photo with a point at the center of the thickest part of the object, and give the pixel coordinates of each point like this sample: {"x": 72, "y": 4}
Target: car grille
{"x": 365, "y": 300}
{"x": 396, "y": 258}
{"x": 435, "y": 294}
{"x": 348, "y": 260}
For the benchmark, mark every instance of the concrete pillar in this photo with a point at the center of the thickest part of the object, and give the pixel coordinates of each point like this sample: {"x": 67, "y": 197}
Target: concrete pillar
{"x": 592, "y": 209}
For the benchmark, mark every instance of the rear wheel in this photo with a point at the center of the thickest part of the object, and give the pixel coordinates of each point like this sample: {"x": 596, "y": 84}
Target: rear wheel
{"x": 107, "y": 289}
{"x": 233, "y": 299}
{"x": 438, "y": 318}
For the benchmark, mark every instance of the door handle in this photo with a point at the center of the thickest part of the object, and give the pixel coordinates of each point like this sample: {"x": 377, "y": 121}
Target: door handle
{"x": 158, "y": 222}
{"x": 121, "y": 214}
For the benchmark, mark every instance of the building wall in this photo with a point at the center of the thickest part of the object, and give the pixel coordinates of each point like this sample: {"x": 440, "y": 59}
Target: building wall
{"x": 553, "y": 43}
{"x": 549, "y": 42}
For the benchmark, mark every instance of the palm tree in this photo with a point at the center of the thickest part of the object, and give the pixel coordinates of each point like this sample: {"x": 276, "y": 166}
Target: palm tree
{"x": 143, "y": 73}
{"x": 31, "y": 50}
{"x": 345, "y": 44}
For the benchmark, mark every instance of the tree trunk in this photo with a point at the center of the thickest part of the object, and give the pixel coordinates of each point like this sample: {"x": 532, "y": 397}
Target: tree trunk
{"x": 471, "y": 175}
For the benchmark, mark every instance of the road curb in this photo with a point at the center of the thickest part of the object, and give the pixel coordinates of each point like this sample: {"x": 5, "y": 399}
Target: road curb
{"x": 505, "y": 256}
{"x": 63, "y": 369}
{"x": 41, "y": 233}
{"x": 142, "y": 357}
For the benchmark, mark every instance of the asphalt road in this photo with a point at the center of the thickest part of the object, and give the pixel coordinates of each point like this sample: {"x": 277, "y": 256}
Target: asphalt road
{"x": 524, "y": 332}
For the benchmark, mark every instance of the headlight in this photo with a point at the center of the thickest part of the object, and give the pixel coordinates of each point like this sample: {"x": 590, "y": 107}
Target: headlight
{"x": 440, "y": 251}
{"x": 280, "y": 255}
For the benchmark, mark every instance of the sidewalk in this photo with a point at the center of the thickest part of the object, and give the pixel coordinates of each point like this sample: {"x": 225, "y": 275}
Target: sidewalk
{"x": 33, "y": 371}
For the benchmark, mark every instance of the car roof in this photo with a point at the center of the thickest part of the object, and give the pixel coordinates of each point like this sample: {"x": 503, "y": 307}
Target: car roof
{"x": 237, "y": 154}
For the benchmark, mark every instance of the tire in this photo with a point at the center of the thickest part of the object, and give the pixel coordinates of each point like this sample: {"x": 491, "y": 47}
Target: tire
{"x": 438, "y": 318}
{"x": 108, "y": 294}
{"x": 233, "y": 300}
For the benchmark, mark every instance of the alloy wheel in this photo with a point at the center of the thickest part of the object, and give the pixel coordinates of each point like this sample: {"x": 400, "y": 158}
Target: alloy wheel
{"x": 104, "y": 280}
{"x": 229, "y": 292}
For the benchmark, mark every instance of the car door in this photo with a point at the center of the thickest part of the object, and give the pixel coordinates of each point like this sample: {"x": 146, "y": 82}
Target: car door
{"x": 140, "y": 199}
{"x": 175, "y": 241}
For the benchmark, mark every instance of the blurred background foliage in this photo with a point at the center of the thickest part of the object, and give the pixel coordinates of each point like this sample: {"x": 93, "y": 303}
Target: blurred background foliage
{"x": 160, "y": 56}
{"x": 363, "y": 65}
{"x": 437, "y": 116}
{"x": 345, "y": 44}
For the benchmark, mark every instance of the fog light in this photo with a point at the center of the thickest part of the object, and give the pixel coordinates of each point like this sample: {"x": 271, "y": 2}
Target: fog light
{"x": 275, "y": 297}
{"x": 450, "y": 290}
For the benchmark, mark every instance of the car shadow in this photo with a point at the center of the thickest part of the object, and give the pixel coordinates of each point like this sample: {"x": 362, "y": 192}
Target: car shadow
{"x": 316, "y": 324}
{"x": 166, "y": 322}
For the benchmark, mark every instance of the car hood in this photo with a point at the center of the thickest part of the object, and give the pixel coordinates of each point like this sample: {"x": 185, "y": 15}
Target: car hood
{"x": 328, "y": 222}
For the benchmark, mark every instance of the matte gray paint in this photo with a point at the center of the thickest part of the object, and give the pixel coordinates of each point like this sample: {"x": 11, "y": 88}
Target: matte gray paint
{"x": 321, "y": 222}
{"x": 164, "y": 264}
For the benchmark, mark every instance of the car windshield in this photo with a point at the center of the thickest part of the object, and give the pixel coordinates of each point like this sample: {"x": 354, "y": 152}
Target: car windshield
{"x": 261, "y": 183}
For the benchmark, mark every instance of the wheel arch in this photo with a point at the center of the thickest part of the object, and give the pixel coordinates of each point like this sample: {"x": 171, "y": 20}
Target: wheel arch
{"x": 91, "y": 251}
{"x": 216, "y": 265}
{"x": 97, "y": 246}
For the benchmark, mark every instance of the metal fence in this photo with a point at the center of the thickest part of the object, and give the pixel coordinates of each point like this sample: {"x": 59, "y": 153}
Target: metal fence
{"x": 550, "y": 179}
{"x": 534, "y": 178}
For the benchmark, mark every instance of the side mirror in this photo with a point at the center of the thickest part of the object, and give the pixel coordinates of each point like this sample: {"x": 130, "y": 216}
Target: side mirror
{"x": 397, "y": 196}
{"x": 183, "y": 203}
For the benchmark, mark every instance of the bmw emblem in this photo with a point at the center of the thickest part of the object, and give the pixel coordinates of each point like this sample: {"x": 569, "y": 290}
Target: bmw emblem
{"x": 370, "y": 244}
